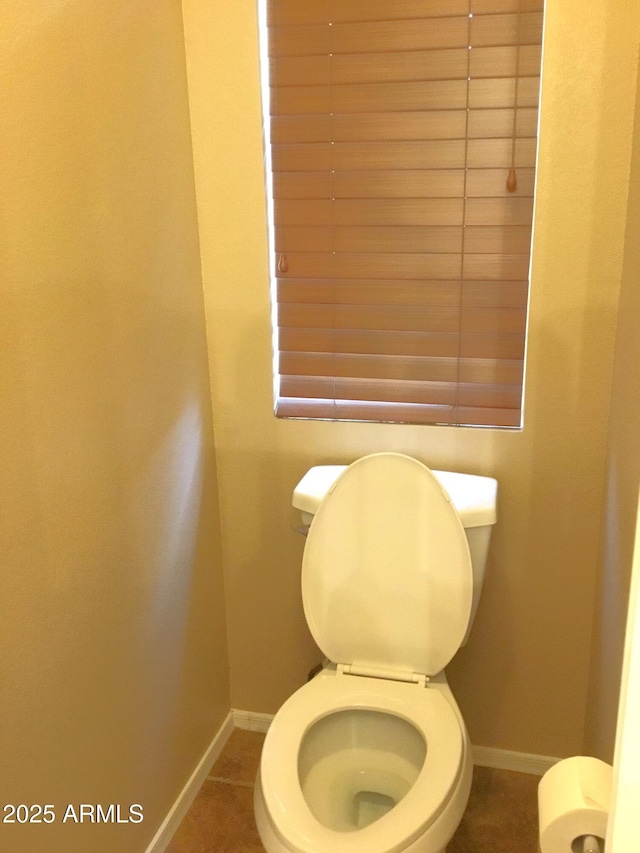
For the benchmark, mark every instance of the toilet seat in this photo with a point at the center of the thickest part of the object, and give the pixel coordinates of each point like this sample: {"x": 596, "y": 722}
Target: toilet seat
{"x": 429, "y": 712}
{"x": 387, "y": 581}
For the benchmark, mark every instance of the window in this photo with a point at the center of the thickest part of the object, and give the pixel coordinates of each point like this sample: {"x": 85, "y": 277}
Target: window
{"x": 401, "y": 140}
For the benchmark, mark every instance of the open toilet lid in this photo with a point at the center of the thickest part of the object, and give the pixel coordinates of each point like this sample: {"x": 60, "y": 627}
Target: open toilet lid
{"x": 386, "y": 572}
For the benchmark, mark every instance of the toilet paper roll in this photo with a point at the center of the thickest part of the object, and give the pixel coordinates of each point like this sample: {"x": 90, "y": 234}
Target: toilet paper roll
{"x": 573, "y": 800}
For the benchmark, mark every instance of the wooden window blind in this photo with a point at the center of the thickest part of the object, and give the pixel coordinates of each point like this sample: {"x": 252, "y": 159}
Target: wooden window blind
{"x": 402, "y": 143}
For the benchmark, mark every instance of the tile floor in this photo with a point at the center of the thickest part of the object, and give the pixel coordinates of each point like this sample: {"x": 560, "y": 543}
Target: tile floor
{"x": 501, "y": 816}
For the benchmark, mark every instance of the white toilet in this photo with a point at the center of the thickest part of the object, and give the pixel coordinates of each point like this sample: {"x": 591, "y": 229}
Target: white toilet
{"x": 372, "y": 755}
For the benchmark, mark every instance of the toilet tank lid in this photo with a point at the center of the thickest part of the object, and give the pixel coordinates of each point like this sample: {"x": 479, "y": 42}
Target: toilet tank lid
{"x": 474, "y": 497}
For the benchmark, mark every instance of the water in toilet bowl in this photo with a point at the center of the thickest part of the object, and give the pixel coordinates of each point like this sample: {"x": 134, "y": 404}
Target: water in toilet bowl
{"x": 356, "y": 765}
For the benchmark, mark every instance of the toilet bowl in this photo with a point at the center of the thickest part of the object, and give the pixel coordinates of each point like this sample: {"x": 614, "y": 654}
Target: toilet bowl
{"x": 373, "y": 754}
{"x": 343, "y": 752}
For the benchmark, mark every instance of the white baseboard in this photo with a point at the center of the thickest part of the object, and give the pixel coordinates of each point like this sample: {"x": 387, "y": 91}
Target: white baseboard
{"x": 251, "y": 721}
{"x": 483, "y": 756}
{"x": 179, "y": 809}
{"x": 505, "y": 759}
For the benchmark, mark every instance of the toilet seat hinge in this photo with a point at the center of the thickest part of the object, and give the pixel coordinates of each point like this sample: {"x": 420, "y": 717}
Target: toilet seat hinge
{"x": 418, "y": 678}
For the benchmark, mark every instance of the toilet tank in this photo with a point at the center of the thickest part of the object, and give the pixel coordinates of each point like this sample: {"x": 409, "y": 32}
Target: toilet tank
{"x": 473, "y": 497}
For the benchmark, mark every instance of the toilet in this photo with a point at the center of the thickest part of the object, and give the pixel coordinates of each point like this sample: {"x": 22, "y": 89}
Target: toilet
{"x": 372, "y": 754}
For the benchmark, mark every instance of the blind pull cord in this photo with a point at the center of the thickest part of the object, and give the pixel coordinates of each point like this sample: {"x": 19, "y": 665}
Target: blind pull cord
{"x": 512, "y": 178}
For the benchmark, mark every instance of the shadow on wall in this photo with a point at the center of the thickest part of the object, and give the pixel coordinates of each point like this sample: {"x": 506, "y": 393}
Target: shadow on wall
{"x": 109, "y": 536}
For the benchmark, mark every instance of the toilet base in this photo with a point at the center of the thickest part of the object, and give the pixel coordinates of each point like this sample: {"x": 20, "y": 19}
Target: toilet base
{"x": 434, "y": 840}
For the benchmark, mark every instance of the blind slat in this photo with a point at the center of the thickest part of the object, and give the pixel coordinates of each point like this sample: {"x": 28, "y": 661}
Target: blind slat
{"x": 396, "y": 413}
{"x": 511, "y": 240}
{"x": 414, "y": 368}
{"x": 406, "y": 391}
{"x": 388, "y": 184}
{"x": 487, "y": 30}
{"x": 375, "y": 67}
{"x": 435, "y": 64}
{"x": 407, "y": 183}
{"x": 383, "y": 97}
{"x": 371, "y": 37}
{"x": 372, "y": 127}
{"x": 372, "y": 366}
{"x": 286, "y": 13}
{"x": 437, "y": 344}
{"x": 370, "y": 239}
{"x": 401, "y": 211}
{"x": 293, "y": 12}
{"x": 430, "y": 154}
{"x": 492, "y": 7}
{"x": 375, "y": 265}
{"x": 410, "y": 125}
{"x": 372, "y": 317}
{"x": 478, "y": 240}
{"x": 450, "y": 394}
{"x": 409, "y": 318}
{"x": 487, "y": 93}
{"x": 482, "y": 294}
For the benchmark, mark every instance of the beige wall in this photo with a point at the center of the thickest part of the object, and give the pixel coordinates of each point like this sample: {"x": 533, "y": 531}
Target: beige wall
{"x": 522, "y": 680}
{"x": 622, "y": 483}
{"x": 112, "y": 645}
